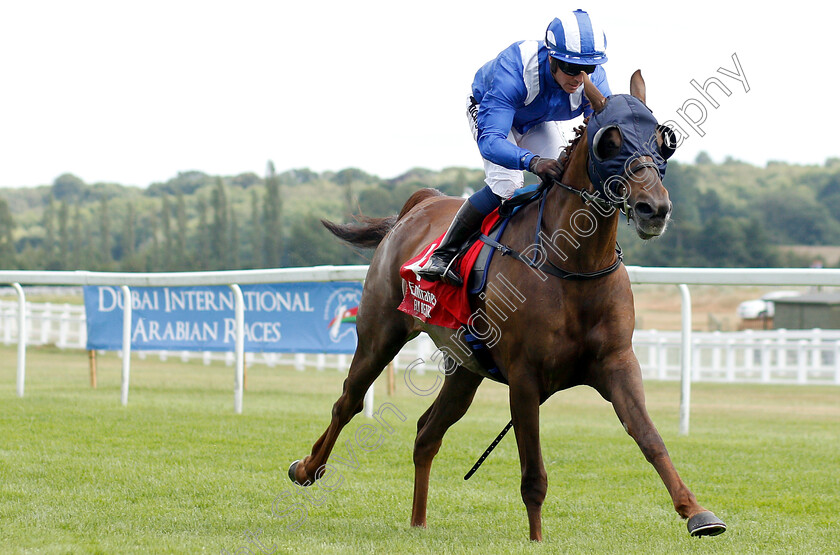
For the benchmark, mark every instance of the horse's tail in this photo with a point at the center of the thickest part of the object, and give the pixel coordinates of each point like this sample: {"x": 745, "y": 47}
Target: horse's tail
{"x": 369, "y": 232}
{"x": 366, "y": 233}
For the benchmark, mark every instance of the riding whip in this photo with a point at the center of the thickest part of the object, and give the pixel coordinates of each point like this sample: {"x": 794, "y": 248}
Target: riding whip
{"x": 488, "y": 450}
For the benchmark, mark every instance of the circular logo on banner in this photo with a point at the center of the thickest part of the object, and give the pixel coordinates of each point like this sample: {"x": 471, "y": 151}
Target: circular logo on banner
{"x": 340, "y": 313}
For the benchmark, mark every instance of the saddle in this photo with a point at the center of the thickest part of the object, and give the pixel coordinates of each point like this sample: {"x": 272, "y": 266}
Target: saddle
{"x": 477, "y": 278}
{"x": 441, "y": 304}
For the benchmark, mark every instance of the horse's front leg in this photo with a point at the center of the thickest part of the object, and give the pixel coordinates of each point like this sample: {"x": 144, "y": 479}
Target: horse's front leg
{"x": 623, "y": 387}
{"x": 525, "y": 413}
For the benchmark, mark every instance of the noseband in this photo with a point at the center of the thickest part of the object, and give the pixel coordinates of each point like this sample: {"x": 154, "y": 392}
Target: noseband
{"x": 613, "y": 201}
{"x": 619, "y": 200}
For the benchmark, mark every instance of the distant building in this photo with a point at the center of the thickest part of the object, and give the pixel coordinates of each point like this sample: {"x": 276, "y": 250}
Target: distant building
{"x": 812, "y": 310}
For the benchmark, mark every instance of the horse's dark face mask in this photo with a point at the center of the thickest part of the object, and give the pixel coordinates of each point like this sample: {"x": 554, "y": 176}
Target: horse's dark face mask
{"x": 637, "y": 136}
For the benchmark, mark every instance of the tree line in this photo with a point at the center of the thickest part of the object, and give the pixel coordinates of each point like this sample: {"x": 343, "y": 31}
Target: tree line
{"x": 725, "y": 215}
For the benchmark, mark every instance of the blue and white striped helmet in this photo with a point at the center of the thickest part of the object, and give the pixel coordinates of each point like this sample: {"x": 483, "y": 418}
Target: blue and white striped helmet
{"x": 575, "y": 39}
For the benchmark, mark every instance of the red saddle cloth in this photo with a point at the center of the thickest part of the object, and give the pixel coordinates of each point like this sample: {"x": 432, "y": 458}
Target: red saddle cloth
{"x": 435, "y": 302}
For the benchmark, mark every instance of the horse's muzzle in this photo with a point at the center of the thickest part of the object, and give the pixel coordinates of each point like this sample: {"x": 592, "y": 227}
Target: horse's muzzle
{"x": 651, "y": 219}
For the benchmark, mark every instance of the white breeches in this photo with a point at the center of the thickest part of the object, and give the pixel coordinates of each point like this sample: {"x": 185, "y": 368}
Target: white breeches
{"x": 546, "y": 140}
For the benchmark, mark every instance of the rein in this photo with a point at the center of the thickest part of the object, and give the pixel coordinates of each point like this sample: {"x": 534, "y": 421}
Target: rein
{"x": 541, "y": 193}
{"x": 549, "y": 267}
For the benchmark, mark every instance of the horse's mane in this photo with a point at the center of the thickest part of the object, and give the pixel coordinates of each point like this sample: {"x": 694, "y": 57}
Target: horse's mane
{"x": 567, "y": 152}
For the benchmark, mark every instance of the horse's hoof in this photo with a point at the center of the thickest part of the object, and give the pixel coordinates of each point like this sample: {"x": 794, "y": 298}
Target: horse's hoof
{"x": 292, "y": 469}
{"x": 705, "y": 524}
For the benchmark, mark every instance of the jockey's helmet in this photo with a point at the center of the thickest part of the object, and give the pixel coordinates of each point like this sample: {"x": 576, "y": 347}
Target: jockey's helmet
{"x": 574, "y": 38}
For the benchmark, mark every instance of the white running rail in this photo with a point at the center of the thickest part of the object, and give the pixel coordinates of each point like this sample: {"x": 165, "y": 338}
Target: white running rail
{"x": 681, "y": 277}
{"x": 807, "y": 357}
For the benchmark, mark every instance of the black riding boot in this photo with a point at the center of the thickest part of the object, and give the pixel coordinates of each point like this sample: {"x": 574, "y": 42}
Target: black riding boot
{"x": 466, "y": 223}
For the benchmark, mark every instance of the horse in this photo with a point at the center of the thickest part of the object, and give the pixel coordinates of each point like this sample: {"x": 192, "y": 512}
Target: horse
{"x": 574, "y": 326}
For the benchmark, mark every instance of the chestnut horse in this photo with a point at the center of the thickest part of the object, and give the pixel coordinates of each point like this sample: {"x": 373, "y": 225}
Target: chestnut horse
{"x": 563, "y": 333}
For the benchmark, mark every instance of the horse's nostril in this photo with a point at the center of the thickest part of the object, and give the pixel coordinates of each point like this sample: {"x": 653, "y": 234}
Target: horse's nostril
{"x": 644, "y": 210}
{"x": 648, "y": 212}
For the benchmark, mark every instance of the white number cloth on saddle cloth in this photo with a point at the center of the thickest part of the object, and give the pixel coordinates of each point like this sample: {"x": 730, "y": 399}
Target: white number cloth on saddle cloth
{"x": 435, "y": 302}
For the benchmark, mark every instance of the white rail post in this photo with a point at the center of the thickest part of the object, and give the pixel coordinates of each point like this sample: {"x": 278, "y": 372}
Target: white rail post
{"x": 126, "y": 369}
{"x": 730, "y": 360}
{"x": 46, "y": 323}
{"x": 662, "y": 357}
{"x": 802, "y": 361}
{"x": 837, "y": 363}
{"x": 749, "y": 352}
{"x": 782, "y": 351}
{"x": 8, "y": 315}
{"x": 21, "y": 354}
{"x": 685, "y": 360}
{"x": 82, "y": 337}
{"x": 126, "y": 343}
{"x": 63, "y": 326}
{"x": 716, "y": 352}
{"x": 238, "y": 377}
{"x": 816, "y": 351}
{"x": 765, "y": 361}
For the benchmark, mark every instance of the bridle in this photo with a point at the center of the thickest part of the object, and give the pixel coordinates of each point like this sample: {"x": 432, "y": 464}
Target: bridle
{"x": 541, "y": 193}
{"x": 612, "y": 201}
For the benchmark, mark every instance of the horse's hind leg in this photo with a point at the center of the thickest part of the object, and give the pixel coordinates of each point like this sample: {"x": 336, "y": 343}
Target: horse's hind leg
{"x": 379, "y": 342}
{"x": 451, "y": 404}
{"x": 628, "y": 399}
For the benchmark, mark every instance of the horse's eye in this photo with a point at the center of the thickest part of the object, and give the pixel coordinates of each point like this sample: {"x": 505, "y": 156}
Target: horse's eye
{"x": 607, "y": 143}
{"x": 667, "y": 141}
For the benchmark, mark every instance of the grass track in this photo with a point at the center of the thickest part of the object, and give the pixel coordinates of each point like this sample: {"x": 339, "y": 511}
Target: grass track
{"x": 177, "y": 472}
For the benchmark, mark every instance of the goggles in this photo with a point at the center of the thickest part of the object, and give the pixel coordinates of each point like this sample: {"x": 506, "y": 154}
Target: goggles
{"x": 573, "y": 70}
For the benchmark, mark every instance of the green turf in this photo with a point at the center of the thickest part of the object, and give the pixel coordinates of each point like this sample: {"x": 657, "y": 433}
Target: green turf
{"x": 178, "y": 472}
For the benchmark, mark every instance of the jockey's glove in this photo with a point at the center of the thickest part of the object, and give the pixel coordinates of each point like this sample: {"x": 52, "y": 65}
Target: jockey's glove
{"x": 546, "y": 168}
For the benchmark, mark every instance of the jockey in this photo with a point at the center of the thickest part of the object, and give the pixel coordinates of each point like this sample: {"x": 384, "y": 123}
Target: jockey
{"x": 516, "y": 103}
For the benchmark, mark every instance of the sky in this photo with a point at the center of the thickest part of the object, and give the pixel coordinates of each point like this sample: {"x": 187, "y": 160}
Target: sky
{"x": 135, "y": 92}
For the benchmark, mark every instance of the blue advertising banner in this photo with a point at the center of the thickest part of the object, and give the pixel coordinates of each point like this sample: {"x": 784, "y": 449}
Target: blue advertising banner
{"x": 308, "y": 317}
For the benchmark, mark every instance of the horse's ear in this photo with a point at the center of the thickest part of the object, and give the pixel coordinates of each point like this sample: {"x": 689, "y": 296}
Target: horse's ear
{"x": 637, "y": 85}
{"x": 595, "y": 97}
